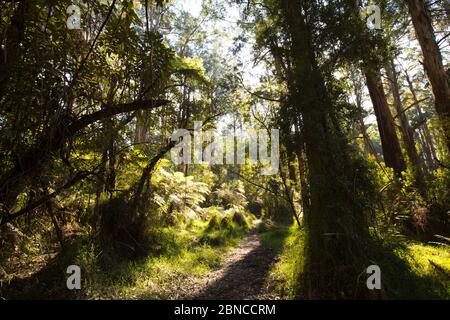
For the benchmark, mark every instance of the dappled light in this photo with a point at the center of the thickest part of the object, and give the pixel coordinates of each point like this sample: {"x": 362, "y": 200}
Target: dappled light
{"x": 224, "y": 150}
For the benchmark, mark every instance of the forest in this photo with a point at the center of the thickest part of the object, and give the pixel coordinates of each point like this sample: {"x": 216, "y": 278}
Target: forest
{"x": 224, "y": 149}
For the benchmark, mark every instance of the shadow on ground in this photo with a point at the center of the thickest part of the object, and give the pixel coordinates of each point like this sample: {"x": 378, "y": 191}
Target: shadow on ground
{"x": 243, "y": 275}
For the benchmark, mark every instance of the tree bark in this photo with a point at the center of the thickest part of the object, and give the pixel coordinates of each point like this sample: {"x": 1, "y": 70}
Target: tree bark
{"x": 145, "y": 176}
{"x": 406, "y": 130}
{"x": 11, "y": 53}
{"x": 389, "y": 140}
{"x": 432, "y": 61}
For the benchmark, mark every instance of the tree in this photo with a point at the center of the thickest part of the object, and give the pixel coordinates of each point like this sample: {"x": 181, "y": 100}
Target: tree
{"x": 373, "y": 50}
{"x": 335, "y": 219}
{"x": 386, "y": 127}
{"x": 432, "y": 61}
{"x": 406, "y": 130}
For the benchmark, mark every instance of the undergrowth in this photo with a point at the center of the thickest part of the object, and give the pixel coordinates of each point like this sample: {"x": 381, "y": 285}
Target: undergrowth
{"x": 187, "y": 252}
{"x": 283, "y": 278}
{"x": 409, "y": 270}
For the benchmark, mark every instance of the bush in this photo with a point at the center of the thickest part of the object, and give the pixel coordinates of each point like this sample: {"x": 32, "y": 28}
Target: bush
{"x": 124, "y": 233}
{"x": 232, "y": 194}
{"x": 240, "y": 219}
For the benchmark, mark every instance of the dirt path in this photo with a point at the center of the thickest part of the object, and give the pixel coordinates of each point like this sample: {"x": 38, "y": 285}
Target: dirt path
{"x": 243, "y": 275}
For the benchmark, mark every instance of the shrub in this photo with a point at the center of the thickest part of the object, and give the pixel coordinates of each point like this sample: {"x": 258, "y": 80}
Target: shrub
{"x": 124, "y": 233}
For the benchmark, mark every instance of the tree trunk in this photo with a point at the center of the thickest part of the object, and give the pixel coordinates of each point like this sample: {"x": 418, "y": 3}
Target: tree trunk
{"x": 111, "y": 151}
{"x": 289, "y": 187}
{"x": 303, "y": 183}
{"x": 336, "y": 225}
{"x": 368, "y": 146}
{"x": 432, "y": 61}
{"x": 429, "y": 149}
{"x": 58, "y": 231}
{"x": 389, "y": 140}
{"x": 406, "y": 130}
{"x": 10, "y": 54}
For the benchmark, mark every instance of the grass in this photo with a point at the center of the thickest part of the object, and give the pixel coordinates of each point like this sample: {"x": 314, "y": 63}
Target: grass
{"x": 410, "y": 270}
{"x": 283, "y": 277}
{"x": 194, "y": 250}
{"x": 187, "y": 252}
{"x": 423, "y": 254}
{"x": 432, "y": 262}
{"x": 408, "y": 273}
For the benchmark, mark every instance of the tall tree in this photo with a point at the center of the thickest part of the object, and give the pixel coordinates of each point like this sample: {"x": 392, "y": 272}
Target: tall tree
{"x": 336, "y": 222}
{"x": 386, "y": 126}
{"x": 406, "y": 129}
{"x": 373, "y": 50}
{"x": 428, "y": 144}
{"x": 432, "y": 61}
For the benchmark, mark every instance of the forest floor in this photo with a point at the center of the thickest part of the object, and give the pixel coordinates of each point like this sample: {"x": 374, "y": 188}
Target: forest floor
{"x": 243, "y": 274}
{"x": 238, "y": 266}
{"x": 202, "y": 264}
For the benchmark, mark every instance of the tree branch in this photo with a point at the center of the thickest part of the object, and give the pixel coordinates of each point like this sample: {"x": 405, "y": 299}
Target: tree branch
{"x": 110, "y": 111}
{"x": 5, "y": 218}
{"x": 32, "y": 161}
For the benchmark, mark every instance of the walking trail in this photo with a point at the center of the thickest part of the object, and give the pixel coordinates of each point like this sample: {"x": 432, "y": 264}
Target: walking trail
{"x": 242, "y": 276}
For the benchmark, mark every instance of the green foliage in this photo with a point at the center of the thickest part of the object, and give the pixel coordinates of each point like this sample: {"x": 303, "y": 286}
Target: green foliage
{"x": 141, "y": 227}
{"x": 184, "y": 255}
{"x": 440, "y": 186}
{"x": 178, "y": 196}
{"x": 410, "y": 270}
{"x": 230, "y": 223}
{"x": 191, "y": 67}
{"x": 232, "y": 195}
{"x": 122, "y": 233}
{"x": 413, "y": 270}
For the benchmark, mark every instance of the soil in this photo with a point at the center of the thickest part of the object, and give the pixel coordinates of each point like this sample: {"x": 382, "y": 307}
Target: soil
{"x": 242, "y": 276}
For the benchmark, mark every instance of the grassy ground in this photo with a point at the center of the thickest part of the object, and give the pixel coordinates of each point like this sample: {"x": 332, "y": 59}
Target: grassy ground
{"x": 186, "y": 252}
{"x": 283, "y": 278}
{"x": 189, "y": 253}
{"x": 410, "y": 270}
{"x": 414, "y": 270}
